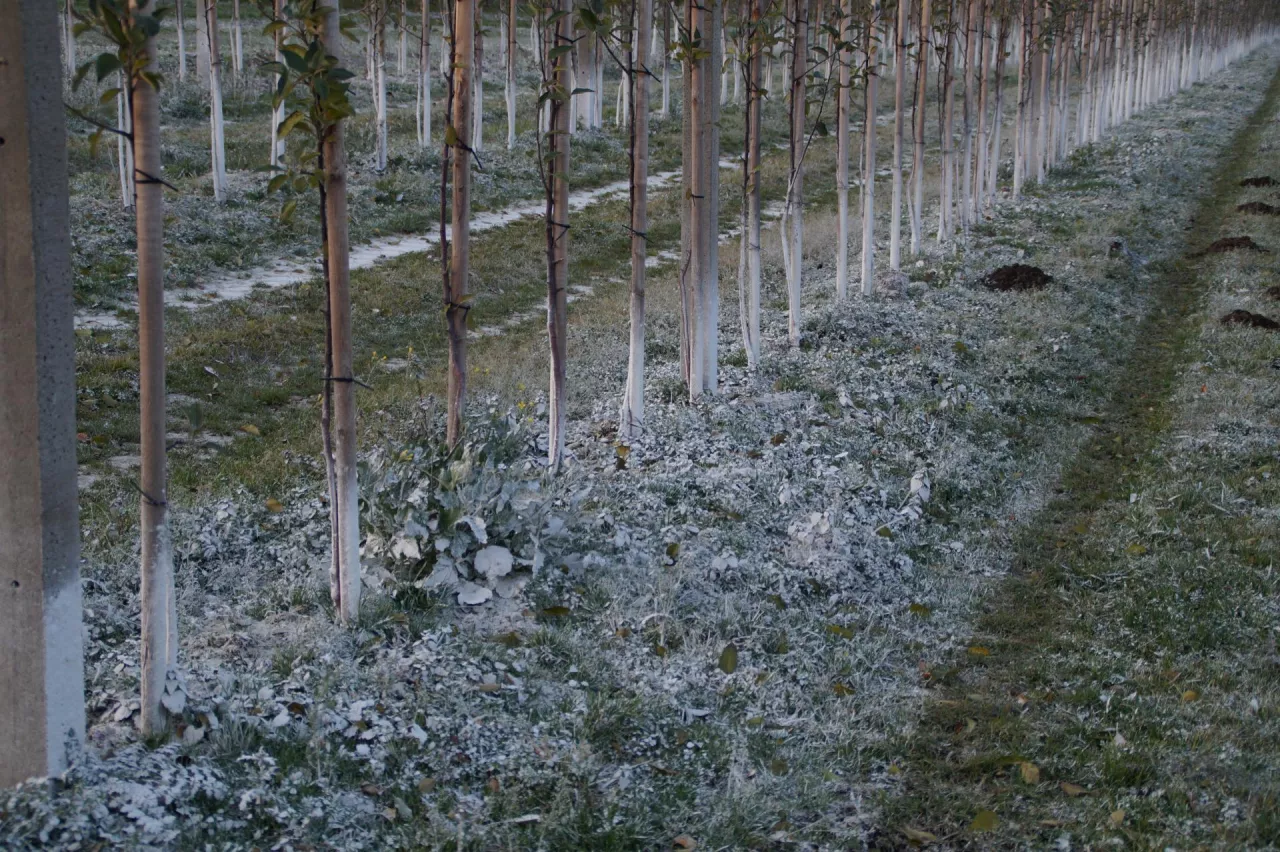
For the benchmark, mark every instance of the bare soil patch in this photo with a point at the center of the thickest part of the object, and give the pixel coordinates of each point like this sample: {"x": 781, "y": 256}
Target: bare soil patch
{"x": 1227, "y": 244}
{"x": 1273, "y": 292}
{"x": 1017, "y": 277}
{"x": 1249, "y": 318}
{"x": 1260, "y": 208}
{"x": 1262, "y": 180}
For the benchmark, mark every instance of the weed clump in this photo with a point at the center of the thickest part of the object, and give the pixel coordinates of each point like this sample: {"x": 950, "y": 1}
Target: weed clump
{"x": 1250, "y": 319}
{"x": 1017, "y": 277}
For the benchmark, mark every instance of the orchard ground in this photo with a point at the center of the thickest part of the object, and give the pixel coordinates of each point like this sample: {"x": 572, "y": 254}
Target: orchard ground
{"x": 967, "y": 569}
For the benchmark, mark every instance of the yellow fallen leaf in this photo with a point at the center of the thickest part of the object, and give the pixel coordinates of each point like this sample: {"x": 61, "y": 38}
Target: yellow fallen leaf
{"x": 1030, "y": 772}
{"x": 684, "y": 841}
{"x": 979, "y": 651}
{"x": 984, "y": 821}
{"x": 274, "y": 505}
{"x": 426, "y": 785}
{"x": 250, "y": 429}
{"x": 1135, "y": 549}
{"x": 406, "y": 455}
{"x": 919, "y": 835}
{"x": 1190, "y": 695}
{"x": 1073, "y": 790}
{"x": 1117, "y": 817}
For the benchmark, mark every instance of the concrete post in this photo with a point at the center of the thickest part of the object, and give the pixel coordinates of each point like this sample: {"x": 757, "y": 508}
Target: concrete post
{"x": 41, "y": 653}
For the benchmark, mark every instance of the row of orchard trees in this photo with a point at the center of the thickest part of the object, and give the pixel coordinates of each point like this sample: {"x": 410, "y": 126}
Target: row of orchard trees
{"x": 1081, "y": 68}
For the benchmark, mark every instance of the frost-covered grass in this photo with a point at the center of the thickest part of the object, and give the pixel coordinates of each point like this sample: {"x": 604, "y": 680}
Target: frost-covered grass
{"x": 604, "y": 708}
{"x": 1120, "y": 687}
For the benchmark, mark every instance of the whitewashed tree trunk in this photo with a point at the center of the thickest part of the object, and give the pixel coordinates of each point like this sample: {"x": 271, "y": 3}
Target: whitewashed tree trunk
{"x": 511, "y": 74}
{"x": 558, "y": 255}
{"x": 237, "y": 40}
{"x": 869, "y": 162}
{"x": 899, "y": 110}
{"x": 277, "y": 115}
{"x": 844, "y": 58}
{"x": 202, "y": 43}
{"x": 345, "y": 496}
{"x": 218, "y": 146}
{"x": 381, "y": 131}
{"x": 159, "y": 650}
{"x": 124, "y": 150}
{"x": 424, "y": 78}
{"x": 793, "y": 218}
{"x": 631, "y": 415}
{"x": 923, "y": 50}
{"x": 749, "y": 306}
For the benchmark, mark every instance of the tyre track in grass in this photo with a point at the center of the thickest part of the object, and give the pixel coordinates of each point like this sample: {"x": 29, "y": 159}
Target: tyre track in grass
{"x": 997, "y": 761}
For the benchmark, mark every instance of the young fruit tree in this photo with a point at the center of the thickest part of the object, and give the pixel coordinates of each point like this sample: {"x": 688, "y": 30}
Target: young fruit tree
{"x": 315, "y": 84}
{"x": 132, "y": 29}
{"x": 553, "y": 165}
{"x": 455, "y": 241}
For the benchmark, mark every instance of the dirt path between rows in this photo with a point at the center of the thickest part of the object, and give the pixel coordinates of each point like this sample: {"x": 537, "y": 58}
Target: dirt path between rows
{"x": 1002, "y": 757}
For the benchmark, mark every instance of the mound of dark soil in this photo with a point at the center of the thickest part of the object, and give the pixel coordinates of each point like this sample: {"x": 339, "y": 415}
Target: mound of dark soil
{"x": 1273, "y": 292}
{"x": 1247, "y": 318}
{"x": 1261, "y": 208}
{"x": 1231, "y": 244}
{"x": 1265, "y": 180}
{"x": 1016, "y": 278}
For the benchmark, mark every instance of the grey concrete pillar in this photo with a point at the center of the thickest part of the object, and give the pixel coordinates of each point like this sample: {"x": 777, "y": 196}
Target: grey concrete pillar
{"x": 41, "y": 631}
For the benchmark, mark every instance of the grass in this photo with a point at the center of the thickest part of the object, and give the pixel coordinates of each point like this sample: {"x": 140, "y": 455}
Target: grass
{"x": 1117, "y": 685}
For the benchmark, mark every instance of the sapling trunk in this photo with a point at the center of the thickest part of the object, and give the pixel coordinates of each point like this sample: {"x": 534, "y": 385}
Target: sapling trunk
{"x": 899, "y": 109}
{"x": 842, "y": 151}
{"x": 159, "y": 649}
{"x": 631, "y": 416}
{"x": 869, "y": 163}
{"x": 793, "y": 233}
{"x": 458, "y": 258}
{"x": 922, "y": 93}
{"x": 345, "y": 496}
{"x": 557, "y": 226}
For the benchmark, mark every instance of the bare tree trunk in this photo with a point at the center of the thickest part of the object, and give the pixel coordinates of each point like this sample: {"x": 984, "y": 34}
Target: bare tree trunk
{"x": 346, "y": 495}
{"x": 842, "y": 151}
{"x": 922, "y": 95}
{"x": 159, "y": 652}
{"x": 631, "y": 417}
{"x": 869, "y": 166}
{"x": 793, "y": 219}
{"x": 459, "y": 258}
{"x": 558, "y": 253}
{"x": 1042, "y": 113}
{"x": 899, "y": 108}
{"x": 511, "y": 74}
{"x": 218, "y": 148}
